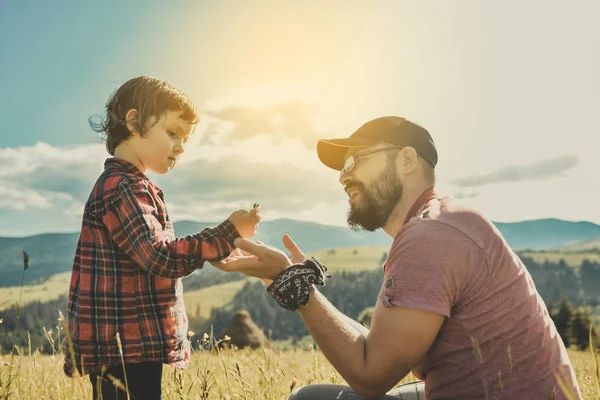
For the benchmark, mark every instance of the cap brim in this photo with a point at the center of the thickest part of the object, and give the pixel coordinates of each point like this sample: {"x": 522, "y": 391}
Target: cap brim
{"x": 332, "y": 152}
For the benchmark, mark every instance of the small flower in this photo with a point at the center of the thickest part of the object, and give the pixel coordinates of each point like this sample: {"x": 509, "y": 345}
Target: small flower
{"x": 226, "y": 338}
{"x": 191, "y": 333}
{"x": 205, "y": 337}
{"x": 1, "y": 320}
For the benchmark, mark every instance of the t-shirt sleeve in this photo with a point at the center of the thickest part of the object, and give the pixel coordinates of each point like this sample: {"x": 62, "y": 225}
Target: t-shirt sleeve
{"x": 426, "y": 269}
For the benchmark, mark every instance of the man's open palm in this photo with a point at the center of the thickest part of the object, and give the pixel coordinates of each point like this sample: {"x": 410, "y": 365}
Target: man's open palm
{"x": 260, "y": 261}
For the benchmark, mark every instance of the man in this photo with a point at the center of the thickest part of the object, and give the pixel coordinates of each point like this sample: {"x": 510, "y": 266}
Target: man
{"x": 457, "y": 306}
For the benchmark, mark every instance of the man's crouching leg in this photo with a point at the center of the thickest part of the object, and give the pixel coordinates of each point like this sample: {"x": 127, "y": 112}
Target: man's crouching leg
{"x": 409, "y": 391}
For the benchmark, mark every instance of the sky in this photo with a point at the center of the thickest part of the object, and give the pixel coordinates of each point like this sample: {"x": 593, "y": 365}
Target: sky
{"x": 509, "y": 91}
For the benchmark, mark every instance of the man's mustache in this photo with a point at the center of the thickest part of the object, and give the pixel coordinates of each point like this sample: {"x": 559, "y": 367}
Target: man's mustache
{"x": 353, "y": 185}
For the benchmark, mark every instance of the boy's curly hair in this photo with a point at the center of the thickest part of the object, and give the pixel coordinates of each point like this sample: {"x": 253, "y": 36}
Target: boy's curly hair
{"x": 151, "y": 97}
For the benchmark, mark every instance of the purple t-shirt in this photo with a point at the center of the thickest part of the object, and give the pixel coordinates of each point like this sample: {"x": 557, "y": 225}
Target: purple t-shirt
{"x": 497, "y": 340}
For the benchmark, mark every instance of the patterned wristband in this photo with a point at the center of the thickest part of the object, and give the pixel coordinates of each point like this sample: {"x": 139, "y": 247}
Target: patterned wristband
{"x": 290, "y": 289}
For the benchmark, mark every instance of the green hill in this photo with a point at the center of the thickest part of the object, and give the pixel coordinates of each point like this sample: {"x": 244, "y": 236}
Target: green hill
{"x": 51, "y": 254}
{"x": 547, "y": 233}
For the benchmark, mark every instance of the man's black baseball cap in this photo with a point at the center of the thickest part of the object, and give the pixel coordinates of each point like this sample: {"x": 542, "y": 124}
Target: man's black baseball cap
{"x": 393, "y": 130}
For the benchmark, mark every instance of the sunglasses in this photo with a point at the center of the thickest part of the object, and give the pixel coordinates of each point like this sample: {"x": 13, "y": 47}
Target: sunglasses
{"x": 351, "y": 161}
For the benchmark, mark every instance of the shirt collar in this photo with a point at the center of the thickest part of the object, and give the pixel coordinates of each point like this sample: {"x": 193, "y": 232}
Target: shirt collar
{"x": 424, "y": 198}
{"x": 118, "y": 164}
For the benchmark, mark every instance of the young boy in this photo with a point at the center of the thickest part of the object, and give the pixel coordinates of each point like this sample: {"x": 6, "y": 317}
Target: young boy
{"x": 125, "y": 293}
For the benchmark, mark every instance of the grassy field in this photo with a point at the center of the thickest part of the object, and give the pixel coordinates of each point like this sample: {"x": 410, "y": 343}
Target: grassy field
{"x": 55, "y": 286}
{"x": 207, "y": 298}
{"x": 572, "y": 258}
{"x": 352, "y": 258}
{"x": 591, "y": 244}
{"x": 244, "y": 374}
{"x": 204, "y": 300}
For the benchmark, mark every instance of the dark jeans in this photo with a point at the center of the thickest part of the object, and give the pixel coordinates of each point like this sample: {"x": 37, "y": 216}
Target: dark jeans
{"x": 143, "y": 380}
{"x": 409, "y": 391}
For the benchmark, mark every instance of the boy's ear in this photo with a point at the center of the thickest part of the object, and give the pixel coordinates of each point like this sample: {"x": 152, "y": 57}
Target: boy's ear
{"x": 131, "y": 119}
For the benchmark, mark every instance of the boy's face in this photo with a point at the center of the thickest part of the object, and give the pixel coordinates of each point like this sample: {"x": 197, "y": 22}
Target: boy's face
{"x": 163, "y": 143}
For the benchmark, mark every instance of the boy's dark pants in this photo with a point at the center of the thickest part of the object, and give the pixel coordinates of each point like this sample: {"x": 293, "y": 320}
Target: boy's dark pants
{"x": 143, "y": 379}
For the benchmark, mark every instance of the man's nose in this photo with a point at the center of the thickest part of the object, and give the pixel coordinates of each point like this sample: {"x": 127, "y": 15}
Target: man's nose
{"x": 344, "y": 177}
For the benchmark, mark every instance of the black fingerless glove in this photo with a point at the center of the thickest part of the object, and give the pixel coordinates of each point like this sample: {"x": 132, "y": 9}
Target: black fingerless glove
{"x": 290, "y": 289}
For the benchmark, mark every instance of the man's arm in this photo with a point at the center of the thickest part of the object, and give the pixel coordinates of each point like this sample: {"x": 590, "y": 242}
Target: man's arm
{"x": 363, "y": 330}
{"x": 372, "y": 362}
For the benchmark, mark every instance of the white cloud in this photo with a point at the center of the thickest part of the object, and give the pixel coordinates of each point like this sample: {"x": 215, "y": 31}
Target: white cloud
{"x": 17, "y": 198}
{"x": 75, "y": 210}
{"x": 47, "y": 177}
{"x": 213, "y": 188}
{"x": 569, "y": 197}
{"x": 464, "y": 195}
{"x": 289, "y": 119}
{"x": 287, "y": 179}
{"x": 208, "y": 185}
{"x": 539, "y": 170}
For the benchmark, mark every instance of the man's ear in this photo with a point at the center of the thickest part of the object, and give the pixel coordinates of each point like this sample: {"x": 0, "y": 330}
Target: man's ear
{"x": 131, "y": 120}
{"x": 409, "y": 159}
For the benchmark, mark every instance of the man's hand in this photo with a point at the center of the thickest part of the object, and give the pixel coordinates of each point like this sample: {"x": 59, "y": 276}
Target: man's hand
{"x": 291, "y": 246}
{"x": 256, "y": 259}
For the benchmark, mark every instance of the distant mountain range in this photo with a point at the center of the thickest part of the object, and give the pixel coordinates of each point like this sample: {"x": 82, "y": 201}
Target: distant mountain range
{"x": 52, "y": 253}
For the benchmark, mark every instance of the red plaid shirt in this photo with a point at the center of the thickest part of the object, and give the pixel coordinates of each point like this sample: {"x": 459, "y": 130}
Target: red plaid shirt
{"x": 127, "y": 274}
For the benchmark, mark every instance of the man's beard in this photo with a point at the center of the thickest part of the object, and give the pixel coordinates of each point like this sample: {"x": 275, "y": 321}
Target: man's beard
{"x": 376, "y": 204}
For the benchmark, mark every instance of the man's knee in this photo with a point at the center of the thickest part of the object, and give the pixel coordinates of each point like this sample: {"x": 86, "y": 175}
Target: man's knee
{"x": 410, "y": 391}
{"x": 324, "y": 392}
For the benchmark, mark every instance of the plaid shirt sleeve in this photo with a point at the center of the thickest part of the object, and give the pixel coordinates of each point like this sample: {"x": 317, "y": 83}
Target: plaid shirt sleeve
{"x": 134, "y": 223}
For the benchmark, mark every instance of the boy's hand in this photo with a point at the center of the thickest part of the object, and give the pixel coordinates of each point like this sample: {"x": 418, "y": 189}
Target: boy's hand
{"x": 246, "y": 221}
